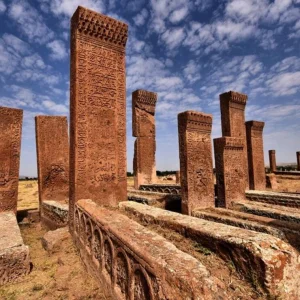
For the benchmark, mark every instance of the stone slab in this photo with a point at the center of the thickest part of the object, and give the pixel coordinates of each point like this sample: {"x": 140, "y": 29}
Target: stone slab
{"x": 52, "y": 239}
{"x": 14, "y": 255}
{"x": 161, "y": 188}
{"x": 140, "y": 263}
{"x": 274, "y": 263}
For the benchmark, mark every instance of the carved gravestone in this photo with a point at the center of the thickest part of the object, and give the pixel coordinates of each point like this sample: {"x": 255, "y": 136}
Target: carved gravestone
{"x": 52, "y": 144}
{"x": 233, "y": 121}
{"x": 255, "y": 147}
{"x": 97, "y": 109}
{"x": 196, "y": 168}
{"x": 229, "y": 156}
{"x": 10, "y": 146}
{"x": 143, "y": 128}
{"x": 298, "y": 160}
{"x": 272, "y": 159}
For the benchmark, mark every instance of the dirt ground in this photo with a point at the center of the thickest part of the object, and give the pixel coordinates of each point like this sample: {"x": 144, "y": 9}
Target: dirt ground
{"x": 60, "y": 275}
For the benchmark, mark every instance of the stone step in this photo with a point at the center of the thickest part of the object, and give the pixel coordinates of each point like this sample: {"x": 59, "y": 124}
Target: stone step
{"x": 268, "y": 210}
{"x": 274, "y": 263}
{"x": 136, "y": 262}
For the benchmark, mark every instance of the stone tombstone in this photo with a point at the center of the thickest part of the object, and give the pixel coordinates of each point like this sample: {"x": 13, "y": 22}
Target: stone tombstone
{"x": 272, "y": 159}
{"x": 196, "y": 167}
{"x": 52, "y": 145}
{"x": 232, "y": 106}
{"x": 298, "y": 160}
{"x": 10, "y": 146}
{"x": 97, "y": 109}
{"x": 255, "y": 147}
{"x": 143, "y": 128}
{"x": 177, "y": 176}
{"x": 229, "y": 156}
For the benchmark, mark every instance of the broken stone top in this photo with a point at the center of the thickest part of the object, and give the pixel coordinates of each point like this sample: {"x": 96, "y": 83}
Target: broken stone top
{"x": 234, "y": 97}
{"x": 16, "y": 112}
{"x": 196, "y": 120}
{"x": 230, "y": 143}
{"x": 256, "y": 125}
{"x": 107, "y": 30}
{"x": 272, "y": 151}
{"x": 144, "y": 100}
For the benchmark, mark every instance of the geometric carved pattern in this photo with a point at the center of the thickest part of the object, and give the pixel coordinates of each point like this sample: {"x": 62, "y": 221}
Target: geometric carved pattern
{"x": 10, "y": 145}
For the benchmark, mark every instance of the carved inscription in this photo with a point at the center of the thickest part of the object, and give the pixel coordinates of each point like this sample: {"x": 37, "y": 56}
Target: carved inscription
{"x": 195, "y": 151}
{"x": 10, "y": 144}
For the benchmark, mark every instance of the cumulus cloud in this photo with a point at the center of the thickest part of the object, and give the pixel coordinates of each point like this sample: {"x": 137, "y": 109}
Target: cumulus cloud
{"x": 58, "y": 50}
{"x": 191, "y": 71}
{"x": 173, "y": 37}
{"x": 141, "y": 18}
{"x": 2, "y": 7}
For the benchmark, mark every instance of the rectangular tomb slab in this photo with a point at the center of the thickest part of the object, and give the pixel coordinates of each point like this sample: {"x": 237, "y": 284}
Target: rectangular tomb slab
{"x": 255, "y": 148}
{"x": 10, "y": 147}
{"x": 14, "y": 255}
{"x": 196, "y": 168}
{"x": 272, "y": 159}
{"x": 97, "y": 109}
{"x": 229, "y": 158}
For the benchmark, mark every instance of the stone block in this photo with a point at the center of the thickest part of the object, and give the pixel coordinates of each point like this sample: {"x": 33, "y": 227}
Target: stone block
{"x": 52, "y": 240}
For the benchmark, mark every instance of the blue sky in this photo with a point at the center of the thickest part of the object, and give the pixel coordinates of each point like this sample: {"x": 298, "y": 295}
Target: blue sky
{"x": 187, "y": 51}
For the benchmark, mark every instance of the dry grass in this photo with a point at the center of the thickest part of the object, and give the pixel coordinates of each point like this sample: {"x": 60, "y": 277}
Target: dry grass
{"x": 28, "y": 194}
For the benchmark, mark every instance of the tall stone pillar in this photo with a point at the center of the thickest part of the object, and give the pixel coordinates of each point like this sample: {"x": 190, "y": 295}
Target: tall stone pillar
{"x": 195, "y": 154}
{"x": 229, "y": 157}
{"x": 272, "y": 159}
{"x": 10, "y": 146}
{"x": 233, "y": 121}
{"x": 97, "y": 109}
{"x": 143, "y": 128}
{"x": 298, "y": 160}
{"x": 52, "y": 146}
{"x": 255, "y": 147}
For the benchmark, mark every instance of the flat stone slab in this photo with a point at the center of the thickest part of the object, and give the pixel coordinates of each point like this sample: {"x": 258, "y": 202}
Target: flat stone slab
{"x": 285, "y": 199}
{"x": 51, "y": 241}
{"x": 268, "y": 210}
{"x": 54, "y": 214}
{"x": 273, "y": 263}
{"x": 161, "y": 188}
{"x": 14, "y": 255}
{"x": 145, "y": 265}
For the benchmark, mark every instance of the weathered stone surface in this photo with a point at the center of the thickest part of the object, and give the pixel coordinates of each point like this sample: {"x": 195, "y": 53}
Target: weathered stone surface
{"x": 28, "y": 216}
{"x": 52, "y": 144}
{"x": 298, "y": 160}
{"x": 139, "y": 263}
{"x": 232, "y": 106}
{"x": 10, "y": 146}
{"x": 177, "y": 177}
{"x": 272, "y": 159}
{"x": 14, "y": 255}
{"x": 55, "y": 214}
{"x": 271, "y": 181}
{"x": 143, "y": 128}
{"x": 161, "y": 188}
{"x": 52, "y": 240}
{"x": 97, "y": 109}
{"x": 229, "y": 156}
{"x": 255, "y": 148}
{"x": 273, "y": 263}
{"x": 196, "y": 167}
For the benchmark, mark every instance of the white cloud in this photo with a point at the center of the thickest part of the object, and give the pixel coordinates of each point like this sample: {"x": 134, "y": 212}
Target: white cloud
{"x": 179, "y": 14}
{"x": 57, "y": 108}
{"x": 285, "y": 83}
{"x": 58, "y": 49}
{"x": 191, "y": 71}
{"x": 2, "y": 7}
{"x": 33, "y": 61}
{"x": 140, "y": 19}
{"x": 173, "y": 37}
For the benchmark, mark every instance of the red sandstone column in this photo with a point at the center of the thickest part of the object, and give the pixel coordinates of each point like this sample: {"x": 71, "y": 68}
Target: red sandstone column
{"x": 177, "y": 177}
{"x": 143, "y": 128}
{"x": 233, "y": 120}
{"x": 298, "y": 160}
{"x": 52, "y": 145}
{"x": 195, "y": 154}
{"x": 229, "y": 157}
{"x": 97, "y": 109}
{"x": 256, "y": 164}
{"x": 272, "y": 159}
{"x": 10, "y": 147}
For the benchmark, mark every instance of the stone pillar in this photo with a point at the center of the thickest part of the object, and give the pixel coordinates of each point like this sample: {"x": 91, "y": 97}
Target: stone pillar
{"x": 255, "y": 147}
{"x": 143, "y": 128}
{"x": 177, "y": 177}
{"x": 52, "y": 146}
{"x": 272, "y": 159}
{"x": 233, "y": 121}
{"x": 298, "y": 160}
{"x": 97, "y": 109}
{"x": 196, "y": 167}
{"x": 229, "y": 157}
{"x": 10, "y": 146}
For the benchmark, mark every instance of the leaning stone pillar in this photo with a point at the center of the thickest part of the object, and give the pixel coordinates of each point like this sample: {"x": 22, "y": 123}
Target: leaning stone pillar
{"x": 298, "y": 160}
{"x": 272, "y": 159}
{"x": 97, "y": 109}
{"x": 233, "y": 121}
{"x": 229, "y": 157}
{"x": 195, "y": 154}
{"x": 255, "y": 147}
{"x": 10, "y": 147}
{"x": 143, "y": 128}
